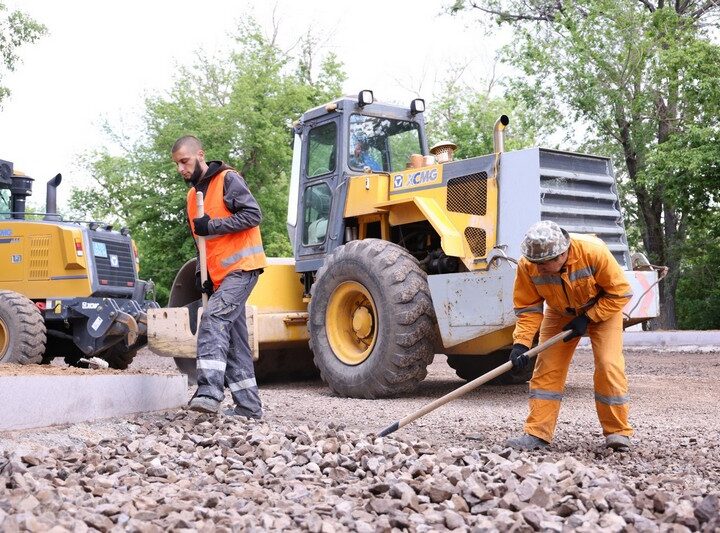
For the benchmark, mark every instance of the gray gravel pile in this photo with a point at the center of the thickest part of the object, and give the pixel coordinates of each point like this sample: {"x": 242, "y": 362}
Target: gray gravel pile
{"x": 183, "y": 471}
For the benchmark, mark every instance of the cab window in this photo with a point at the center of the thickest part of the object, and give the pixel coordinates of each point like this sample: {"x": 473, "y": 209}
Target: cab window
{"x": 5, "y": 206}
{"x": 321, "y": 150}
{"x": 382, "y": 144}
{"x": 316, "y": 213}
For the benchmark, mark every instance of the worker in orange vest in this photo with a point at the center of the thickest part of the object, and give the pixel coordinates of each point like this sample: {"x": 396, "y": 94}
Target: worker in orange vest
{"x": 235, "y": 259}
{"x": 570, "y": 282}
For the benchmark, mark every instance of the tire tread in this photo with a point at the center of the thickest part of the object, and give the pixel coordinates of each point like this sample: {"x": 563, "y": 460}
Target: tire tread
{"x": 29, "y": 345}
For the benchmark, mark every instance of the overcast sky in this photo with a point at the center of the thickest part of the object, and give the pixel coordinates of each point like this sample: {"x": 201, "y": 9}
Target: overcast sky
{"x": 100, "y": 60}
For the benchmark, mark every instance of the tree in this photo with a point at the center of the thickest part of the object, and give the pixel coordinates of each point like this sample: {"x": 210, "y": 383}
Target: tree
{"x": 642, "y": 77}
{"x": 241, "y": 107}
{"x": 16, "y": 29}
{"x": 699, "y": 285}
{"x": 467, "y": 117}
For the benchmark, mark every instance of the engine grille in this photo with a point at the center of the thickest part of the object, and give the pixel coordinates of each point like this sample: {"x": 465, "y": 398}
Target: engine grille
{"x": 477, "y": 240}
{"x": 468, "y": 194}
{"x": 579, "y": 193}
{"x": 109, "y": 272}
{"x": 39, "y": 257}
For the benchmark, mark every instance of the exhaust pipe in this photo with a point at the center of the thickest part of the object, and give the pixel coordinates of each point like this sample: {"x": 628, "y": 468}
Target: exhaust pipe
{"x": 20, "y": 189}
{"x": 499, "y": 134}
{"x": 51, "y": 202}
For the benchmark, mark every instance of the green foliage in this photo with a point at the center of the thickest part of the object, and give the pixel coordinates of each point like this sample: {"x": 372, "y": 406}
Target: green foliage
{"x": 467, "y": 118}
{"x": 639, "y": 79}
{"x": 241, "y": 106}
{"x": 699, "y": 285}
{"x": 402, "y": 146}
{"x": 16, "y": 29}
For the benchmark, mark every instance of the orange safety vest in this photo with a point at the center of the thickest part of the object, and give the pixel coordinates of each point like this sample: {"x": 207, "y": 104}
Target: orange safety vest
{"x": 232, "y": 251}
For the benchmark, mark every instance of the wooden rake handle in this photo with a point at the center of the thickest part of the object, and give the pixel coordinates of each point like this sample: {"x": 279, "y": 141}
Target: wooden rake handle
{"x": 474, "y": 384}
{"x": 202, "y": 252}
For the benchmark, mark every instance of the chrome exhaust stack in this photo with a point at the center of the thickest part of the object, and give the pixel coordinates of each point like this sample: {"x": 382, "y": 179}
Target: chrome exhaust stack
{"x": 499, "y": 134}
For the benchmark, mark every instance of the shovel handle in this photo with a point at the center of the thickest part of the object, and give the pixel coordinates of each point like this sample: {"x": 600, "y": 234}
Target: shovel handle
{"x": 474, "y": 384}
{"x": 202, "y": 253}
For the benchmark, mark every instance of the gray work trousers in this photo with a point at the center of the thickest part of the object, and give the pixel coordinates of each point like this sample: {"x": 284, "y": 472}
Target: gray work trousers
{"x": 224, "y": 356}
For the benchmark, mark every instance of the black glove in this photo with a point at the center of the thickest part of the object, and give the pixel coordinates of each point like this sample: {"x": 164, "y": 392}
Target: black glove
{"x": 205, "y": 288}
{"x": 518, "y": 357}
{"x": 208, "y": 287}
{"x": 578, "y": 326}
{"x": 201, "y": 225}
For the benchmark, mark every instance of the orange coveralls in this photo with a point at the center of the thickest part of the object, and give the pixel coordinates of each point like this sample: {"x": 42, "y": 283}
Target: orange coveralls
{"x": 591, "y": 281}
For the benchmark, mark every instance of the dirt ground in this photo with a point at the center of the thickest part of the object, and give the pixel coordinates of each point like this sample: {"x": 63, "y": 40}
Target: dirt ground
{"x": 674, "y": 410}
{"x": 153, "y": 472}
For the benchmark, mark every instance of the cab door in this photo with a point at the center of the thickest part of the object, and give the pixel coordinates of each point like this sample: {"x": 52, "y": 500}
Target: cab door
{"x": 319, "y": 227}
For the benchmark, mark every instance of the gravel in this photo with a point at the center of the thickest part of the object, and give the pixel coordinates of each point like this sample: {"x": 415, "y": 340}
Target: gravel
{"x": 314, "y": 463}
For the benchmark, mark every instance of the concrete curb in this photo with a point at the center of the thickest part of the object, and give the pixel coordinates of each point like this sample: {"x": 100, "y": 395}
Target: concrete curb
{"x": 38, "y": 401}
{"x": 669, "y": 339}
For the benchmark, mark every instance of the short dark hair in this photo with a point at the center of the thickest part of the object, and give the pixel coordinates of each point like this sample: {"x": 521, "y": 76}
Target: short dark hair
{"x": 187, "y": 140}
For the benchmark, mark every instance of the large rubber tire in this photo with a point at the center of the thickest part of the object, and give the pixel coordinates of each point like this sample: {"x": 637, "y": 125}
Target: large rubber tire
{"x": 469, "y": 367}
{"x": 372, "y": 324}
{"x": 119, "y": 357}
{"x": 22, "y": 330}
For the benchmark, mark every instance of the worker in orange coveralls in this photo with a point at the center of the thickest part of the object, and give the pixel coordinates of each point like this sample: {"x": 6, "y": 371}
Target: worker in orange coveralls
{"x": 584, "y": 291}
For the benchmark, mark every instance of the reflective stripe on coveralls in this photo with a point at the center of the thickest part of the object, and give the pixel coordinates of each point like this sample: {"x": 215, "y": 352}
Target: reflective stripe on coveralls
{"x": 212, "y": 365}
{"x": 242, "y": 384}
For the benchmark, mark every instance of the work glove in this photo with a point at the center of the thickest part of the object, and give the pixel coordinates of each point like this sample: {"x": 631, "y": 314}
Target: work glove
{"x": 201, "y": 225}
{"x": 205, "y": 288}
{"x": 518, "y": 357}
{"x": 578, "y": 326}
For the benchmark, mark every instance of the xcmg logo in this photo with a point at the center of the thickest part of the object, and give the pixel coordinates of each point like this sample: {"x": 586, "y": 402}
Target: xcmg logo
{"x": 415, "y": 179}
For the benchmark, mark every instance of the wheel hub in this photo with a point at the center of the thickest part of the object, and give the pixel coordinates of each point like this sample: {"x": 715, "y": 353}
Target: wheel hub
{"x": 351, "y": 322}
{"x": 362, "y": 322}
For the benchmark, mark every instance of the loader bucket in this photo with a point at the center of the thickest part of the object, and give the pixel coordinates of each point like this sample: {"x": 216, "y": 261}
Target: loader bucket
{"x": 170, "y": 334}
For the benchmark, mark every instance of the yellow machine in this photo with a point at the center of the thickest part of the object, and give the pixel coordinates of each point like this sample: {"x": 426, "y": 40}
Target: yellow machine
{"x": 400, "y": 253}
{"x": 66, "y": 289}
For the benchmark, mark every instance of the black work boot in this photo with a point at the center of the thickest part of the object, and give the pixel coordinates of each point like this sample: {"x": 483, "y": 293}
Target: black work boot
{"x": 619, "y": 443}
{"x": 236, "y": 411}
{"x": 204, "y": 404}
{"x": 526, "y": 442}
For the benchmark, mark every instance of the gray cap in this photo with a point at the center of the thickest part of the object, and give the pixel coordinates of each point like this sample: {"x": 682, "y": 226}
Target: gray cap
{"x": 544, "y": 241}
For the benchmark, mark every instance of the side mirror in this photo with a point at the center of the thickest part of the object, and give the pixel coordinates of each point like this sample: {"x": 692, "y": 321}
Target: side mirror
{"x": 417, "y": 106}
{"x": 365, "y": 98}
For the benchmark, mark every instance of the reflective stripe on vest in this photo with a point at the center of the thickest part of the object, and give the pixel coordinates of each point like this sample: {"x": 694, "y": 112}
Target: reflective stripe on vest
{"x": 226, "y": 253}
{"x": 242, "y": 253}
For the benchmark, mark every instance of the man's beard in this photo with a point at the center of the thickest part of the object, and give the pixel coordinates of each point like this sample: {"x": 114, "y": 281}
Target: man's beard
{"x": 197, "y": 173}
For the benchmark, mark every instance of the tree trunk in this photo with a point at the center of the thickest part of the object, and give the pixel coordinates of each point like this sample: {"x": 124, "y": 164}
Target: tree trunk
{"x": 650, "y": 206}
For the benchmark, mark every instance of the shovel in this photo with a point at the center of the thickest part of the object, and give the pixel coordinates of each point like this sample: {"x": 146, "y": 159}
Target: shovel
{"x": 474, "y": 384}
{"x": 201, "y": 247}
